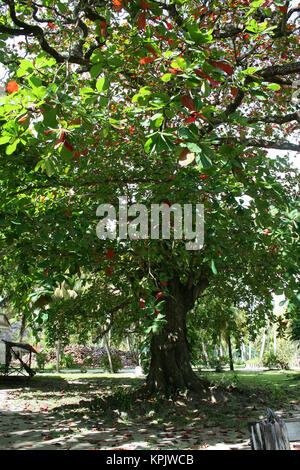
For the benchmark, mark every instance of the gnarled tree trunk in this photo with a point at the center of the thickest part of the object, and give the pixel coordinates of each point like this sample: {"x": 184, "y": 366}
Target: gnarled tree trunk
{"x": 170, "y": 368}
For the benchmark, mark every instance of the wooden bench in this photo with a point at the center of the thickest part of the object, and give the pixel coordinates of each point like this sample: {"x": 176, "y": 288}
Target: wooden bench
{"x": 274, "y": 433}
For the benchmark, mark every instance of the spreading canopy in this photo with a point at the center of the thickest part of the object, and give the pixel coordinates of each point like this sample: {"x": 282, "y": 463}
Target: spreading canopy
{"x": 161, "y": 102}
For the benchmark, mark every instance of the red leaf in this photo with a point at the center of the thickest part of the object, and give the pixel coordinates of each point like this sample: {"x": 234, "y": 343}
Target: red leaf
{"x": 151, "y": 49}
{"x": 68, "y": 146}
{"x": 22, "y": 119}
{"x": 142, "y": 21}
{"x": 12, "y": 86}
{"x": 147, "y": 60}
{"x": 145, "y": 5}
{"x": 190, "y": 119}
{"x": 223, "y": 66}
{"x": 118, "y": 5}
{"x": 62, "y": 137}
{"x": 172, "y": 70}
{"x": 110, "y": 253}
{"x": 103, "y": 26}
{"x": 234, "y": 91}
{"x": 108, "y": 272}
{"x": 283, "y": 8}
{"x": 213, "y": 82}
{"x": 187, "y": 101}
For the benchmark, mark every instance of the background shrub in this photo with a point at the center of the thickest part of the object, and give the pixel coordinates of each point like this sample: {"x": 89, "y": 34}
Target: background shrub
{"x": 116, "y": 363}
{"x": 41, "y": 360}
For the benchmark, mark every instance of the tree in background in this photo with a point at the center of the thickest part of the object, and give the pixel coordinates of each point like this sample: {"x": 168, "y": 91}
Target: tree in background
{"x": 162, "y": 102}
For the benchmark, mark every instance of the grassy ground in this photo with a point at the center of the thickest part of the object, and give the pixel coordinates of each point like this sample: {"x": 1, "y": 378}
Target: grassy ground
{"x": 105, "y": 411}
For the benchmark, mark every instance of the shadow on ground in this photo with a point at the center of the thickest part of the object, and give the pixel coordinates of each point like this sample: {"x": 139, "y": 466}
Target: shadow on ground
{"x": 100, "y": 413}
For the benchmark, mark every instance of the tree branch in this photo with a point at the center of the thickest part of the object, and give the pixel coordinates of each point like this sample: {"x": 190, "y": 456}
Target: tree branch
{"x": 281, "y": 70}
{"x": 275, "y": 119}
{"x": 262, "y": 143}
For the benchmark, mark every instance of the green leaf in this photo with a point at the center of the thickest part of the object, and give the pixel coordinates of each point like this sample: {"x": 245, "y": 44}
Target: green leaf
{"x": 194, "y": 147}
{"x": 273, "y": 86}
{"x": 186, "y": 133}
{"x": 12, "y": 147}
{"x": 213, "y": 267}
{"x": 203, "y": 161}
{"x": 149, "y": 145}
{"x": 25, "y": 67}
{"x": 102, "y": 84}
{"x": 145, "y": 91}
{"x": 196, "y": 34}
{"x": 49, "y": 167}
{"x": 178, "y": 63}
{"x": 35, "y": 82}
{"x": 158, "y": 119}
{"x": 166, "y": 77}
{"x": 95, "y": 70}
{"x": 39, "y": 92}
{"x": 50, "y": 118}
{"x": 257, "y": 3}
{"x": 62, "y": 8}
{"x": 4, "y": 139}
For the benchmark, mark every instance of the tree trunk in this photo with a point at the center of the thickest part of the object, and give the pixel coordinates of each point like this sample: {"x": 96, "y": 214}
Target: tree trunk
{"x": 243, "y": 352}
{"x": 263, "y": 342}
{"x": 205, "y": 355}
{"x": 170, "y": 368}
{"x": 108, "y": 353}
{"x": 220, "y": 349}
{"x": 230, "y": 352}
{"x": 268, "y": 339}
{"x": 58, "y": 348}
{"x": 22, "y": 328}
{"x": 22, "y": 332}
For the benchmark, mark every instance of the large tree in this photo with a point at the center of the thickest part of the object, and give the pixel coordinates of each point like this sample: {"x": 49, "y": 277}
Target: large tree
{"x": 161, "y": 102}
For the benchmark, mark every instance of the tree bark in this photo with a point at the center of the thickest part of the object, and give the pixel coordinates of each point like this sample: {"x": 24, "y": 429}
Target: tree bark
{"x": 205, "y": 355}
{"x": 274, "y": 340}
{"x": 268, "y": 339}
{"x": 243, "y": 352}
{"x": 250, "y": 351}
{"x": 230, "y": 353}
{"x": 170, "y": 368}
{"x": 22, "y": 331}
{"x": 263, "y": 342}
{"x": 58, "y": 351}
{"x": 108, "y": 353}
{"x": 22, "y": 328}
